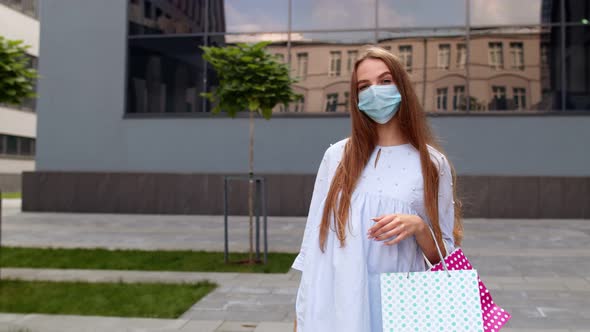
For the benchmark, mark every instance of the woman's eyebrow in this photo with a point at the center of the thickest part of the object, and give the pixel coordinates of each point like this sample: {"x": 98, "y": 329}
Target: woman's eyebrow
{"x": 385, "y": 73}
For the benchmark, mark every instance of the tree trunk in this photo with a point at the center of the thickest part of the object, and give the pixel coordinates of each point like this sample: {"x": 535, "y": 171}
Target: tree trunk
{"x": 251, "y": 188}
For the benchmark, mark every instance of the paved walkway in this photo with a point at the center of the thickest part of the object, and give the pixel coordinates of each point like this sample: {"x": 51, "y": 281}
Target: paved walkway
{"x": 539, "y": 270}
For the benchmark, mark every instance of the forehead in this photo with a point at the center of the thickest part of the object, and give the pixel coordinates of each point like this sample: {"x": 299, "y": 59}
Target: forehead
{"x": 370, "y": 69}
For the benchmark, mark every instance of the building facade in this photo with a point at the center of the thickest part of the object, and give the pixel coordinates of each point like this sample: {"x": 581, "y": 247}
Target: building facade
{"x": 122, "y": 126}
{"x": 18, "y": 21}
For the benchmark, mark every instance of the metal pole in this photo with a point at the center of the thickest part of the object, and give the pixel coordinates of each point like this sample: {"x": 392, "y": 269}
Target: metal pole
{"x": 225, "y": 246}
{"x": 467, "y": 55}
{"x": 376, "y": 22}
{"x": 257, "y": 211}
{"x": 424, "y": 73}
{"x": 205, "y": 66}
{"x": 0, "y": 228}
{"x": 289, "y": 35}
{"x": 265, "y": 220}
{"x": 562, "y": 45}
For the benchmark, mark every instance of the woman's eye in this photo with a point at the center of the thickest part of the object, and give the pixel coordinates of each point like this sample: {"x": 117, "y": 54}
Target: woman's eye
{"x": 387, "y": 81}
{"x": 361, "y": 88}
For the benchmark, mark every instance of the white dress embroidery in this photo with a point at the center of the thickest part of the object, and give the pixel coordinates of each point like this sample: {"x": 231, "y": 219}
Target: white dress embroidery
{"x": 340, "y": 288}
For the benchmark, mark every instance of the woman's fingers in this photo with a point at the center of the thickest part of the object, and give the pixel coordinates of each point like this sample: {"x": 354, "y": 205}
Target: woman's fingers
{"x": 397, "y": 239}
{"x": 383, "y": 225}
{"x": 393, "y": 230}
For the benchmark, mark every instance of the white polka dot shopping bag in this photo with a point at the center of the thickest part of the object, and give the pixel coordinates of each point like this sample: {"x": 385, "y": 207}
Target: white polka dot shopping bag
{"x": 494, "y": 317}
{"x": 431, "y": 301}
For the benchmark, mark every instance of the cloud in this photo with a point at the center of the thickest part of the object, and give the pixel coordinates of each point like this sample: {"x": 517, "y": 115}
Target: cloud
{"x": 342, "y": 14}
{"x": 253, "y": 38}
{"x": 258, "y": 20}
{"x": 485, "y": 12}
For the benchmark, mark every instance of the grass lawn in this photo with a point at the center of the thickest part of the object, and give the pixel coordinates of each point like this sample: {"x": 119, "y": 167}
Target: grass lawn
{"x": 103, "y": 259}
{"x": 152, "y": 300}
{"x": 11, "y": 195}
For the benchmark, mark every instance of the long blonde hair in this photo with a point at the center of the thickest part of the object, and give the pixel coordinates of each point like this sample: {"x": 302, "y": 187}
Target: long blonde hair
{"x": 362, "y": 142}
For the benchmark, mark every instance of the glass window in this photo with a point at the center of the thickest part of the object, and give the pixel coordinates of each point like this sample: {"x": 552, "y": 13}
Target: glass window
{"x": 27, "y": 7}
{"x": 346, "y": 102}
{"x": 517, "y": 55}
{"x": 352, "y": 56}
{"x": 420, "y": 13}
{"x": 331, "y": 102}
{"x": 576, "y": 11}
{"x": 2, "y": 144}
{"x": 444, "y": 56}
{"x": 461, "y": 55}
{"x": 335, "y": 63}
{"x": 324, "y": 61}
{"x": 330, "y": 14}
{"x": 267, "y": 16}
{"x": 165, "y": 75}
{"x": 299, "y": 106}
{"x": 519, "y": 98}
{"x": 498, "y": 98}
{"x": 11, "y": 145}
{"x": 26, "y": 148}
{"x": 175, "y": 17}
{"x": 577, "y": 68}
{"x": 301, "y": 66}
{"x": 405, "y": 54}
{"x": 459, "y": 98}
{"x": 496, "y": 58}
{"x": 441, "y": 99}
{"x": 509, "y": 12}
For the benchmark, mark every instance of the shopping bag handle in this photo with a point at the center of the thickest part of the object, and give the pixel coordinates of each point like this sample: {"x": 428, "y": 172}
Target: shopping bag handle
{"x": 430, "y": 265}
{"x": 442, "y": 259}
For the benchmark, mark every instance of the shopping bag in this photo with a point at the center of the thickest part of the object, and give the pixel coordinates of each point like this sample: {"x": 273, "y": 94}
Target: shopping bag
{"x": 494, "y": 317}
{"x": 431, "y": 301}
{"x": 427, "y": 301}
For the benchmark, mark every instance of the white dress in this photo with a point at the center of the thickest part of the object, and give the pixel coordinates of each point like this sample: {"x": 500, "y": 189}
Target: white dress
{"x": 340, "y": 288}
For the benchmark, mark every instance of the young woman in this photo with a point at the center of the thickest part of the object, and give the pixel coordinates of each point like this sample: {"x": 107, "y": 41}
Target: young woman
{"x": 376, "y": 194}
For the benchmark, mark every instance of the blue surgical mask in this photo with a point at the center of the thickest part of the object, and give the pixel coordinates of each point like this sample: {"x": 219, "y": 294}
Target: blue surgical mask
{"x": 380, "y": 102}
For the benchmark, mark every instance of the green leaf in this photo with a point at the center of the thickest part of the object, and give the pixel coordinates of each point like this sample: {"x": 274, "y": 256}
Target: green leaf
{"x": 253, "y": 104}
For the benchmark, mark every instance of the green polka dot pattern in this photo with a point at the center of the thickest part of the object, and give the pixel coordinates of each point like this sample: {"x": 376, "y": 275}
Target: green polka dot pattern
{"x": 431, "y": 301}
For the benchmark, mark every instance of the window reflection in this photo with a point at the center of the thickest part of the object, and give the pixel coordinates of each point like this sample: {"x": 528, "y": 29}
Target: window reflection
{"x": 165, "y": 75}
{"x": 577, "y": 67}
{"x": 512, "y": 60}
{"x": 421, "y": 13}
{"x": 332, "y": 14}
{"x": 510, "y": 12}
{"x": 174, "y": 16}
{"x": 508, "y": 69}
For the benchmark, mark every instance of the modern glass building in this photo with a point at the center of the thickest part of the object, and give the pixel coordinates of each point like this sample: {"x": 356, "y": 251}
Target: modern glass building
{"x": 18, "y": 21}
{"x": 463, "y": 56}
{"x": 122, "y": 126}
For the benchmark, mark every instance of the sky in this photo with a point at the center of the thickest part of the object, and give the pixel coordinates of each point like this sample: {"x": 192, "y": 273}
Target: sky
{"x": 272, "y": 15}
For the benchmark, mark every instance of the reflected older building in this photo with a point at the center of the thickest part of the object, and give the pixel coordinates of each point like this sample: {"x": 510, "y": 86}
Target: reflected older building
{"x": 508, "y": 70}
{"x": 165, "y": 75}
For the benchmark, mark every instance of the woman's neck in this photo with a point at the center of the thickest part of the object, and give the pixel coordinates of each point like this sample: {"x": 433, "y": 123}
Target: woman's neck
{"x": 390, "y": 133}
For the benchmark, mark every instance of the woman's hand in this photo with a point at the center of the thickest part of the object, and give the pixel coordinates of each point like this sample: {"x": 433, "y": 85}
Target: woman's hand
{"x": 402, "y": 225}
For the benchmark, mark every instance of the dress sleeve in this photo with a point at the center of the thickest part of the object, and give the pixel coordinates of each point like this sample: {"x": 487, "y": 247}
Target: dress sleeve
{"x": 320, "y": 190}
{"x": 446, "y": 204}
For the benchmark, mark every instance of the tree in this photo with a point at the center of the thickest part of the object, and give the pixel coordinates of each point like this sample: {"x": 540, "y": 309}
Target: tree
{"x": 17, "y": 78}
{"x": 252, "y": 80}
